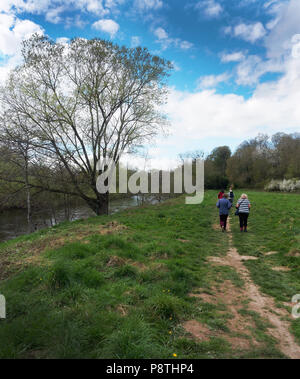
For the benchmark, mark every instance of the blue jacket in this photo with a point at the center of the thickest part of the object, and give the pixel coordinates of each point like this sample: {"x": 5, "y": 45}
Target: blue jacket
{"x": 224, "y": 205}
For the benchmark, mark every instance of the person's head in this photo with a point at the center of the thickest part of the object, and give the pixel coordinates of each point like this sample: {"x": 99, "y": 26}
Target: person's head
{"x": 230, "y": 188}
{"x": 225, "y": 196}
{"x": 222, "y": 191}
{"x": 244, "y": 196}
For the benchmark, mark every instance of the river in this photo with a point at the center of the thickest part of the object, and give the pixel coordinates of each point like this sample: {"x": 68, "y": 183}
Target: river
{"x": 13, "y": 223}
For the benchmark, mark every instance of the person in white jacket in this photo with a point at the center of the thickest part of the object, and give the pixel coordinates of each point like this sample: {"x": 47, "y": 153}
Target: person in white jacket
{"x": 243, "y": 205}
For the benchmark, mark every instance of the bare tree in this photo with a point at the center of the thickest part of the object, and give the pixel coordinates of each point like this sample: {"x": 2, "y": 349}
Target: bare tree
{"x": 87, "y": 101}
{"x": 19, "y": 153}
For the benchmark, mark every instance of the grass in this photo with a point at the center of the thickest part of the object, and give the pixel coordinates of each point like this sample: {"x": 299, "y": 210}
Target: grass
{"x": 118, "y": 286}
{"x": 274, "y": 226}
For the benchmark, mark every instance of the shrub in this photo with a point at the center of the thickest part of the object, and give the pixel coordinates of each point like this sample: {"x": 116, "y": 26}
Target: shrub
{"x": 285, "y": 185}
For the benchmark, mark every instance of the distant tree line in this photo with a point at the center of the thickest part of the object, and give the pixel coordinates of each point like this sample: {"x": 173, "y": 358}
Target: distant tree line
{"x": 258, "y": 161}
{"x": 255, "y": 163}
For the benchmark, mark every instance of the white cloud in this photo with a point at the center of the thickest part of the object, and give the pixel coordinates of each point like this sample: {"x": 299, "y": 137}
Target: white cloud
{"x": 232, "y": 57}
{"x": 227, "y": 29}
{"x": 7, "y": 67}
{"x": 30, "y": 6}
{"x": 52, "y": 9}
{"x": 271, "y": 24}
{"x": 154, "y": 159}
{"x": 8, "y": 40}
{"x": 144, "y": 5}
{"x": 273, "y": 107}
{"x": 5, "y": 6}
{"x": 175, "y": 66}
{"x": 70, "y": 22}
{"x": 13, "y": 31}
{"x": 185, "y": 45}
{"x": 273, "y": 7}
{"x": 211, "y": 81}
{"x": 107, "y": 26}
{"x": 250, "y": 70}
{"x": 160, "y": 33}
{"x": 211, "y": 8}
{"x": 250, "y": 32}
{"x": 135, "y": 41}
{"x": 23, "y": 29}
{"x": 92, "y": 6}
{"x": 62, "y": 40}
{"x": 165, "y": 41}
{"x": 279, "y": 40}
{"x": 6, "y": 20}
{"x": 53, "y": 15}
{"x": 113, "y": 3}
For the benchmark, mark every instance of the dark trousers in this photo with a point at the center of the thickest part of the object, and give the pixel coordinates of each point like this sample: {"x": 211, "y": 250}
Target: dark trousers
{"x": 223, "y": 220}
{"x": 243, "y": 219}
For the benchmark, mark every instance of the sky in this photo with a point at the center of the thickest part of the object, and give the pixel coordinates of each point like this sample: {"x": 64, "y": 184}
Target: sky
{"x": 236, "y": 62}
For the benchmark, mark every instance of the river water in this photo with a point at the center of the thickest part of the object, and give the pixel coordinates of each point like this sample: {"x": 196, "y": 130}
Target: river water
{"x": 13, "y": 223}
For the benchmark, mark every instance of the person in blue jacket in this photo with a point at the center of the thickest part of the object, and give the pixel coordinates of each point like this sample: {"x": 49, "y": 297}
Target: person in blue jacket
{"x": 224, "y": 205}
{"x": 231, "y": 195}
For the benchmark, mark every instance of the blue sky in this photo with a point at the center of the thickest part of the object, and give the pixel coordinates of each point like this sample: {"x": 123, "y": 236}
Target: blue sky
{"x": 236, "y": 62}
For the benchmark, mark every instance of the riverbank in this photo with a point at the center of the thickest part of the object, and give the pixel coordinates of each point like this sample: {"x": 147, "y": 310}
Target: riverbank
{"x": 13, "y": 222}
{"x": 153, "y": 282}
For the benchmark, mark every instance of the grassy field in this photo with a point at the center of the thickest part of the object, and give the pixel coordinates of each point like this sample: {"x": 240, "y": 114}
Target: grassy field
{"x": 149, "y": 283}
{"x": 275, "y": 240}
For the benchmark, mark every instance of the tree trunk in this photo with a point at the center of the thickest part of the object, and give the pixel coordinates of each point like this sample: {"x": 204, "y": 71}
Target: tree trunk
{"x": 100, "y": 205}
{"x": 103, "y": 204}
{"x": 29, "y": 220}
{"x": 67, "y": 207}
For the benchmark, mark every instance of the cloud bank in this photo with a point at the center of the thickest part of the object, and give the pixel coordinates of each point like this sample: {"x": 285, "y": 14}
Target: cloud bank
{"x": 272, "y": 107}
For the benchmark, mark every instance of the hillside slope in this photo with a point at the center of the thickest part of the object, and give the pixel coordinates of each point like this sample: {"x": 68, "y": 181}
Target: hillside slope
{"x": 151, "y": 282}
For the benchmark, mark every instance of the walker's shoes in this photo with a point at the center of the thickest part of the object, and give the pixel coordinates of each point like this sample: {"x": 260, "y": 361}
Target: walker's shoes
{"x": 241, "y": 229}
{"x": 245, "y": 230}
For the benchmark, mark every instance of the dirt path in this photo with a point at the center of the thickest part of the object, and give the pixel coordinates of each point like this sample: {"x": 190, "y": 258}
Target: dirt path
{"x": 262, "y": 304}
{"x": 241, "y": 328}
